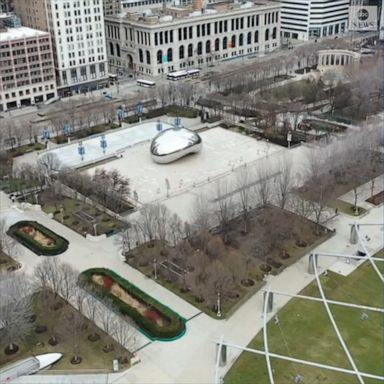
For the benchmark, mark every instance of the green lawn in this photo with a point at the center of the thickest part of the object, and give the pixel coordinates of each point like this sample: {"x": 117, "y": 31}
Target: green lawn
{"x": 305, "y": 332}
{"x": 23, "y": 149}
{"x": 105, "y": 223}
{"x": 347, "y": 208}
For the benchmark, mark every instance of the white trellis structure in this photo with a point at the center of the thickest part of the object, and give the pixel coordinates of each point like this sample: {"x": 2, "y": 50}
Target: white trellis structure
{"x": 355, "y": 238}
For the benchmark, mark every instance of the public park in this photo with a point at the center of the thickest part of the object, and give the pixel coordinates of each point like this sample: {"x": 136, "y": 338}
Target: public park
{"x": 237, "y": 238}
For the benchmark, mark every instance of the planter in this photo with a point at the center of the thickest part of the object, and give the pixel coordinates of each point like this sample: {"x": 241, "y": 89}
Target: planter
{"x": 11, "y": 351}
{"x": 93, "y": 337}
{"x": 108, "y": 348}
{"x": 247, "y": 283}
{"x": 76, "y": 360}
{"x": 53, "y": 341}
{"x": 38, "y": 238}
{"x": 154, "y": 319}
{"x": 265, "y": 268}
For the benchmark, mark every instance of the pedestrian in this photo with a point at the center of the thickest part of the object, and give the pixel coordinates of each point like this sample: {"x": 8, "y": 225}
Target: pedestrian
{"x": 336, "y": 211}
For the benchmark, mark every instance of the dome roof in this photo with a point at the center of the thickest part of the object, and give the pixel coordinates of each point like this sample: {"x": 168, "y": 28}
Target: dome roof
{"x": 174, "y": 143}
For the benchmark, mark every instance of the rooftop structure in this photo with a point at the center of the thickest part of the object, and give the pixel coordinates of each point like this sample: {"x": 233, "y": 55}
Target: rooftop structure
{"x": 167, "y": 39}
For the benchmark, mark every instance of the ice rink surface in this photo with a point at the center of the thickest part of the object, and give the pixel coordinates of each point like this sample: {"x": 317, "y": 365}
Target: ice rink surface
{"x": 223, "y": 151}
{"x": 116, "y": 141}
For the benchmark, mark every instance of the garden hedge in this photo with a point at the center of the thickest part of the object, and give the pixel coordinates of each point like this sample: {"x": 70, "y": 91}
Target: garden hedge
{"x": 60, "y": 246}
{"x": 174, "y": 330}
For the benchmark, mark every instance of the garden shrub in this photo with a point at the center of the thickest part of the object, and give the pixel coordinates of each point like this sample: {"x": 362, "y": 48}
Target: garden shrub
{"x": 61, "y": 244}
{"x": 175, "y": 326}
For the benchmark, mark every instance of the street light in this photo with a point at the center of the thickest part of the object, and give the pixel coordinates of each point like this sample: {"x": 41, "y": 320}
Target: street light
{"x": 155, "y": 268}
{"x": 218, "y": 314}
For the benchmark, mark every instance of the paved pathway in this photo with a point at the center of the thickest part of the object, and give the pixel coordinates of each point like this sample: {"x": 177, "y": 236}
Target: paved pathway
{"x": 191, "y": 358}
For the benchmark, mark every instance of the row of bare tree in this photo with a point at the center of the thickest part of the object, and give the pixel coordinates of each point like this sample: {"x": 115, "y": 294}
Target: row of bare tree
{"x": 56, "y": 281}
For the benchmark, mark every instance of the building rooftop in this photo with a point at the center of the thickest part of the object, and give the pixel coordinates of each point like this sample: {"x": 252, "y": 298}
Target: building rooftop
{"x": 20, "y": 33}
{"x": 170, "y": 13}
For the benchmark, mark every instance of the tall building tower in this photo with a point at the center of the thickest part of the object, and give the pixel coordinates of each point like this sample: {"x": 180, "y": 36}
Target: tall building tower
{"x": 111, "y": 7}
{"x": 305, "y": 19}
{"x": 78, "y": 40}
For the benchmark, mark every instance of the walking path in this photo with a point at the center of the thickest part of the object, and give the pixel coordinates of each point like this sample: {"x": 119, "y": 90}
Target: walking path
{"x": 191, "y": 358}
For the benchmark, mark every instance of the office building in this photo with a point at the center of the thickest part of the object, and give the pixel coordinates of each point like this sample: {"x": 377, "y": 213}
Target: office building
{"x": 166, "y": 39}
{"x": 27, "y": 72}
{"x": 78, "y": 39}
{"x": 312, "y": 19}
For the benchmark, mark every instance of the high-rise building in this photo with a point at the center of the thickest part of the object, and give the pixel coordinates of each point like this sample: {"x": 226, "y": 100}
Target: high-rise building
{"x": 168, "y": 39}
{"x": 78, "y": 39}
{"x": 305, "y": 19}
{"x": 111, "y": 7}
{"x": 27, "y": 73}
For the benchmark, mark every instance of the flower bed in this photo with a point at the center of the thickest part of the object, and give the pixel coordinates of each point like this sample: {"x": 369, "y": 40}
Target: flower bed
{"x": 38, "y": 238}
{"x": 376, "y": 199}
{"x": 155, "y": 320}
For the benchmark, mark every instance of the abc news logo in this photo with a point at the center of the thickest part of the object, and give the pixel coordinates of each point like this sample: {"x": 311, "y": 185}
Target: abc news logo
{"x": 363, "y": 21}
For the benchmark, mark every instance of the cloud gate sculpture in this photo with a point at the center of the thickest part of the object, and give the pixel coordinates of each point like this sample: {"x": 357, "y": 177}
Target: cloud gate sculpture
{"x": 174, "y": 143}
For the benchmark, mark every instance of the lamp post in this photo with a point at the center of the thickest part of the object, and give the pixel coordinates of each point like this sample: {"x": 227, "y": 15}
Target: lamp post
{"x": 218, "y": 314}
{"x": 62, "y": 214}
{"x": 155, "y": 268}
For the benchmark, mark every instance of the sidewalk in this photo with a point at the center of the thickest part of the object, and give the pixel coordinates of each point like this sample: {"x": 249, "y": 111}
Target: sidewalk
{"x": 190, "y": 359}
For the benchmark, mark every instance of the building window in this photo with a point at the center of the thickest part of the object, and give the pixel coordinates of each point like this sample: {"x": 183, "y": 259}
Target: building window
{"x": 241, "y": 37}
{"x": 225, "y": 43}
{"x": 208, "y": 47}
{"x": 233, "y": 41}
{"x": 190, "y": 50}
{"x": 111, "y": 49}
{"x": 217, "y": 44}
{"x": 274, "y": 33}
{"x": 159, "y": 56}
{"x": 249, "y": 38}
{"x": 256, "y": 36}
{"x": 117, "y": 50}
{"x": 169, "y": 55}
{"x": 148, "y": 57}
{"x": 267, "y": 34}
{"x": 199, "y": 48}
{"x": 181, "y": 52}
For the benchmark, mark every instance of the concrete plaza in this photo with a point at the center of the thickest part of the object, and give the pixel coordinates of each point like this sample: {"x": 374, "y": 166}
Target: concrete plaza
{"x": 223, "y": 151}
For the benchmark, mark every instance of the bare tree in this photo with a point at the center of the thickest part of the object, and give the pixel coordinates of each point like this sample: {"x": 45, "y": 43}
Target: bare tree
{"x": 124, "y": 334}
{"x": 263, "y": 187}
{"x": 7, "y": 244}
{"x": 175, "y": 229}
{"x": 283, "y": 181}
{"x": 68, "y": 281}
{"x": 48, "y": 164}
{"x": 15, "y": 308}
{"x": 107, "y": 316}
{"x": 47, "y": 275}
{"x": 244, "y": 181}
{"x": 225, "y": 207}
{"x": 201, "y": 221}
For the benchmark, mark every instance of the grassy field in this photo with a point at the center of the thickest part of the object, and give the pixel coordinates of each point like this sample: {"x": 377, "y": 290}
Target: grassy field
{"x": 106, "y": 224}
{"x": 347, "y": 208}
{"x": 305, "y": 332}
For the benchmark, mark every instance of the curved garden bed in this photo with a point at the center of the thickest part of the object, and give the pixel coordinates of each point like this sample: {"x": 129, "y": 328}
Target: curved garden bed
{"x": 154, "y": 319}
{"x": 38, "y": 238}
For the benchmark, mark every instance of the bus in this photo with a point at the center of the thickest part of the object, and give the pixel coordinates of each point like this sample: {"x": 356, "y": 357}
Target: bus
{"x": 179, "y": 75}
{"x": 193, "y": 72}
{"x": 145, "y": 83}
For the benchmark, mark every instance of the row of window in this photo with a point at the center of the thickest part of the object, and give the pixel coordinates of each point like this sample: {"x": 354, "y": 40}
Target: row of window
{"x": 224, "y": 43}
{"x": 12, "y": 95}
